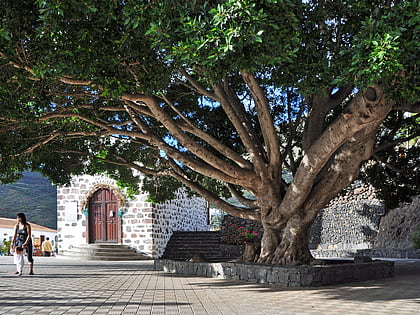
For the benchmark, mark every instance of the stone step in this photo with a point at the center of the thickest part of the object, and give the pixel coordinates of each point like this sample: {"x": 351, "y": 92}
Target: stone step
{"x": 193, "y": 241}
{"x": 96, "y": 249}
{"x": 183, "y": 245}
{"x": 189, "y": 254}
{"x": 190, "y": 248}
{"x": 197, "y": 234}
{"x": 194, "y": 245}
{"x": 107, "y": 258}
{"x": 103, "y": 252}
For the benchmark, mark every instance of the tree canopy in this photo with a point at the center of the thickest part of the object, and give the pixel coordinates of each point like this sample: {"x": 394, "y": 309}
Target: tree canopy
{"x": 218, "y": 96}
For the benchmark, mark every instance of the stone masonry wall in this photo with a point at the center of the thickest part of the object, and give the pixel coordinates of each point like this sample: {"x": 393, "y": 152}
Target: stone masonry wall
{"x": 350, "y": 221}
{"x": 356, "y": 220}
{"x": 144, "y": 226}
{"x": 353, "y": 225}
{"x": 399, "y": 225}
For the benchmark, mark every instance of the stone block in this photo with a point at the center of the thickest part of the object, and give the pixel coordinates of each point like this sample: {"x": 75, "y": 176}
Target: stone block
{"x": 227, "y": 271}
{"x": 294, "y": 275}
{"x": 306, "y": 279}
{"x": 261, "y": 273}
{"x": 282, "y": 276}
{"x": 317, "y": 275}
{"x": 243, "y": 273}
{"x": 327, "y": 277}
{"x": 273, "y": 277}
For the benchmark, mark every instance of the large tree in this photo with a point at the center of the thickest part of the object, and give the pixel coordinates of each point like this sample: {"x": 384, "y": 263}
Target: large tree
{"x": 220, "y": 96}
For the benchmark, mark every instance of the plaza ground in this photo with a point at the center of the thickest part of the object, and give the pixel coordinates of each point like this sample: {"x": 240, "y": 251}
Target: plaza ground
{"x": 64, "y": 286}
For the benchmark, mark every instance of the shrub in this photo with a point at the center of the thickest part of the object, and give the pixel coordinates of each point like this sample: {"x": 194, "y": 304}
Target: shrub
{"x": 5, "y": 248}
{"x": 416, "y": 239}
{"x": 237, "y": 235}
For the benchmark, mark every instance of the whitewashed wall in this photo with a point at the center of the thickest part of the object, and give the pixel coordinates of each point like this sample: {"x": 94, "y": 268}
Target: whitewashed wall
{"x": 145, "y": 227}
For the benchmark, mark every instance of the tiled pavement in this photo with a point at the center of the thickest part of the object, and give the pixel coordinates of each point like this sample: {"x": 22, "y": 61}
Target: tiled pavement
{"x": 62, "y": 286}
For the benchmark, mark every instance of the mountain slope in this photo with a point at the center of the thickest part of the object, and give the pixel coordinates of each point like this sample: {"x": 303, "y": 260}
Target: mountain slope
{"x": 33, "y": 195}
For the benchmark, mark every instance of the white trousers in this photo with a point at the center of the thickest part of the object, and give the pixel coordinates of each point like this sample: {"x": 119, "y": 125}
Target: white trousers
{"x": 19, "y": 261}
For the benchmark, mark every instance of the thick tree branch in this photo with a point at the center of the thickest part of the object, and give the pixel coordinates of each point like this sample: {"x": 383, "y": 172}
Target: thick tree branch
{"x": 393, "y": 143}
{"x": 226, "y": 151}
{"x": 237, "y": 116}
{"x": 342, "y": 172}
{"x": 251, "y": 214}
{"x": 216, "y": 162}
{"x": 366, "y": 109}
{"x": 200, "y": 167}
{"x": 238, "y": 195}
{"x": 411, "y": 108}
{"x": 320, "y": 106}
{"x": 271, "y": 140}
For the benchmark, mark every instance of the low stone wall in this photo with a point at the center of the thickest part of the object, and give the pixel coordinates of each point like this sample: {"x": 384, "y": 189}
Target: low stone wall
{"x": 379, "y": 253}
{"x": 230, "y": 251}
{"x": 289, "y": 276}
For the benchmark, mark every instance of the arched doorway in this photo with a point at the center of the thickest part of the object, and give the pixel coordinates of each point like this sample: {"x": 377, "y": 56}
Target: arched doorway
{"x": 103, "y": 217}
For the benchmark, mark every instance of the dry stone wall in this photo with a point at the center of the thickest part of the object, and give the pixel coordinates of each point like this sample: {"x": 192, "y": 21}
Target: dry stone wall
{"x": 350, "y": 221}
{"x": 399, "y": 225}
{"x": 356, "y": 220}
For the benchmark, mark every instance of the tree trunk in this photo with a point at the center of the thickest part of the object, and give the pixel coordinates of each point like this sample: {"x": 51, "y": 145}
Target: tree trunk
{"x": 330, "y": 163}
{"x": 251, "y": 253}
{"x": 287, "y": 243}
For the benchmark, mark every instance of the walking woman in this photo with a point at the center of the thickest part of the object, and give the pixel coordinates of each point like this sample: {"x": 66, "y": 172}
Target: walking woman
{"x": 22, "y": 241}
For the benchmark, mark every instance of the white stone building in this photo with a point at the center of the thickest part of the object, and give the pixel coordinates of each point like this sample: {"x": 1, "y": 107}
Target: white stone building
{"x": 93, "y": 210}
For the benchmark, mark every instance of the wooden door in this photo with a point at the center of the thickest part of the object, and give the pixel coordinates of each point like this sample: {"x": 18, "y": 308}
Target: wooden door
{"x": 103, "y": 217}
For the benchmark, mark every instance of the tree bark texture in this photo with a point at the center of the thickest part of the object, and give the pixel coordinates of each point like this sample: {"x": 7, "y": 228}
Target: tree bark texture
{"x": 330, "y": 164}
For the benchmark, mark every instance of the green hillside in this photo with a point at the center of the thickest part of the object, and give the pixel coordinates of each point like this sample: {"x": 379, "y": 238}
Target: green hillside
{"x": 33, "y": 195}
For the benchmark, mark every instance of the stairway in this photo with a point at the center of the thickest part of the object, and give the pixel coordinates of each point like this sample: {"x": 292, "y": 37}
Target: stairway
{"x": 183, "y": 245}
{"x": 113, "y": 252}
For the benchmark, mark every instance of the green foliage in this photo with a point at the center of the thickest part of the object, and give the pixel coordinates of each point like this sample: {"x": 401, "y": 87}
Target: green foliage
{"x": 416, "y": 239}
{"x": 161, "y": 188}
{"x": 395, "y": 172}
{"x": 394, "y": 187}
{"x": 295, "y": 48}
{"x": 384, "y": 45}
{"x": 5, "y": 247}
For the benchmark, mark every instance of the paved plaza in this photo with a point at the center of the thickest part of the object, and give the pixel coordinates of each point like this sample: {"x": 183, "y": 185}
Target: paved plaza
{"x": 62, "y": 286}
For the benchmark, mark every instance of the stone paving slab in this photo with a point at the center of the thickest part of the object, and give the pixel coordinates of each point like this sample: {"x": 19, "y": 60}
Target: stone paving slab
{"x": 62, "y": 286}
